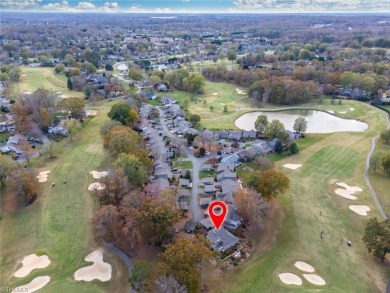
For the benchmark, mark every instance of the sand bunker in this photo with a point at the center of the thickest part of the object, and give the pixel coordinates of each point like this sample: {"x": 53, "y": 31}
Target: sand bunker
{"x": 330, "y": 111}
{"x": 290, "y": 279}
{"x": 90, "y": 112}
{"x": 348, "y": 191}
{"x": 360, "y": 209}
{"x": 30, "y": 263}
{"x": 96, "y": 186}
{"x": 314, "y": 279}
{"x": 27, "y": 93}
{"x": 292, "y": 166}
{"x": 99, "y": 270}
{"x": 98, "y": 175}
{"x": 240, "y": 92}
{"x": 343, "y": 112}
{"x": 304, "y": 267}
{"x": 351, "y": 109}
{"x": 42, "y": 177}
{"x": 36, "y": 284}
{"x": 215, "y": 94}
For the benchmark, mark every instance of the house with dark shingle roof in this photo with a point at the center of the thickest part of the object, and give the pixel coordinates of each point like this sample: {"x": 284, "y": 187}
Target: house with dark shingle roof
{"x": 221, "y": 239}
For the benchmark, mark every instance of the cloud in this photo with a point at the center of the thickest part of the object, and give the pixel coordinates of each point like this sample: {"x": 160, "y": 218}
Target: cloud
{"x": 64, "y": 5}
{"x": 85, "y": 5}
{"x": 311, "y": 5}
{"x": 162, "y": 10}
{"x": 20, "y": 4}
{"x": 111, "y": 5}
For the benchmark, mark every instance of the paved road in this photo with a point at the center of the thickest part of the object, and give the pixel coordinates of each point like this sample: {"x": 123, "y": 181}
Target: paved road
{"x": 196, "y": 210}
{"x": 366, "y": 177}
{"x": 124, "y": 257}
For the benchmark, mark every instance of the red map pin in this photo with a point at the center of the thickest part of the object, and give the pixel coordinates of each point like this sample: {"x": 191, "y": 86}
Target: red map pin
{"x": 217, "y": 216}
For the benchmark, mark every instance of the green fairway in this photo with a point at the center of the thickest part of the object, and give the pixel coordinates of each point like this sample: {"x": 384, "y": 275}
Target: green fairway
{"x": 218, "y": 95}
{"x": 59, "y": 222}
{"x": 34, "y": 78}
{"x": 310, "y": 206}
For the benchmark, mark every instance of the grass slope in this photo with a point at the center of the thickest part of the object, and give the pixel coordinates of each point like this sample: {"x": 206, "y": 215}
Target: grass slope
{"x": 34, "y": 78}
{"x": 59, "y": 222}
{"x": 294, "y": 232}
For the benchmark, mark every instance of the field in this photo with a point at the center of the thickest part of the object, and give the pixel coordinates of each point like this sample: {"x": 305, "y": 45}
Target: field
{"x": 218, "y": 95}
{"x": 59, "y": 222}
{"x": 310, "y": 206}
{"x": 34, "y": 78}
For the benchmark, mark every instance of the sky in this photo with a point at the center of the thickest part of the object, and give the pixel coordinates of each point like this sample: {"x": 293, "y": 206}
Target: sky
{"x": 199, "y": 6}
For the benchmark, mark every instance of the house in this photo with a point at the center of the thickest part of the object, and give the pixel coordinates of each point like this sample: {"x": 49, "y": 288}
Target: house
{"x": 207, "y": 223}
{"x": 206, "y": 168}
{"x": 252, "y": 152}
{"x": 225, "y": 167}
{"x": 223, "y": 134}
{"x": 230, "y": 185}
{"x": 189, "y": 227}
{"x": 184, "y": 182}
{"x": 183, "y": 193}
{"x": 149, "y": 95}
{"x": 221, "y": 239}
{"x": 235, "y": 135}
{"x": 227, "y": 174}
{"x": 209, "y": 189}
{"x": 232, "y": 220}
{"x": 58, "y": 130}
{"x": 167, "y": 100}
{"x": 272, "y": 144}
{"x": 249, "y": 134}
{"x": 184, "y": 206}
{"x": 294, "y": 135}
{"x": 162, "y": 87}
{"x": 233, "y": 159}
{"x": 205, "y": 202}
{"x": 208, "y": 180}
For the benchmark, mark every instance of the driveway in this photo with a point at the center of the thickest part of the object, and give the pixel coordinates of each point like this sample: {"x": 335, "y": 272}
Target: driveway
{"x": 196, "y": 210}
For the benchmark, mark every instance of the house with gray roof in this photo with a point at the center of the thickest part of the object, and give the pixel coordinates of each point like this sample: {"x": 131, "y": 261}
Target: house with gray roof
{"x": 235, "y": 135}
{"x": 249, "y": 134}
{"x": 221, "y": 239}
{"x": 184, "y": 182}
{"x": 206, "y": 223}
{"x": 232, "y": 159}
{"x": 222, "y": 134}
{"x": 232, "y": 220}
{"x": 227, "y": 174}
{"x": 205, "y": 202}
{"x": 208, "y": 180}
{"x": 226, "y": 166}
{"x": 209, "y": 189}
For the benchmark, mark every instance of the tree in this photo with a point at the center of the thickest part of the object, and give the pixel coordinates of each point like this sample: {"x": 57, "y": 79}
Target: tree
{"x": 211, "y": 108}
{"x": 73, "y": 126}
{"x": 69, "y": 84}
{"x": 275, "y": 129}
{"x": 385, "y": 135}
{"x": 24, "y": 184}
{"x": 182, "y": 258}
{"x": 252, "y": 207}
{"x": 25, "y": 147}
{"x": 59, "y": 68}
{"x": 109, "y": 67}
{"x": 104, "y": 221}
{"x": 45, "y": 119}
{"x": 293, "y": 148}
{"x": 121, "y": 139}
{"x": 225, "y": 109}
{"x": 74, "y": 106}
{"x": 132, "y": 168}
{"x": 140, "y": 276}
{"x": 156, "y": 217}
{"x": 123, "y": 113}
{"x": 168, "y": 284}
{"x": 20, "y": 115}
{"x": 375, "y": 162}
{"x": 377, "y": 237}
{"x": 386, "y": 162}
{"x": 261, "y": 123}
{"x": 300, "y": 124}
{"x": 268, "y": 183}
{"x": 231, "y": 55}
{"x": 135, "y": 73}
{"x": 107, "y": 126}
{"x": 202, "y": 152}
{"x": 279, "y": 147}
{"x": 194, "y": 118}
{"x": 89, "y": 67}
{"x": 6, "y": 167}
{"x": 87, "y": 92}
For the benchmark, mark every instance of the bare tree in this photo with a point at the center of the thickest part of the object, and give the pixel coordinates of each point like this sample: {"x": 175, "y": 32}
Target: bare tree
{"x": 168, "y": 284}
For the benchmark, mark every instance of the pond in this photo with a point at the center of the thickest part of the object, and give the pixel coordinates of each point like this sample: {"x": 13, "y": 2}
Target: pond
{"x": 318, "y": 121}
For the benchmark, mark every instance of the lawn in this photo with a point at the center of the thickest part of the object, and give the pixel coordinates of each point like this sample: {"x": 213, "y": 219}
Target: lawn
{"x": 182, "y": 164}
{"x": 34, "y": 78}
{"x": 309, "y": 207}
{"x": 59, "y": 222}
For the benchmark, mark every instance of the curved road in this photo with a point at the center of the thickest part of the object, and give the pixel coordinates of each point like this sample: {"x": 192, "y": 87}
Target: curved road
{"x": 367, "y": 179}
{"x": 196, "y": 210}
